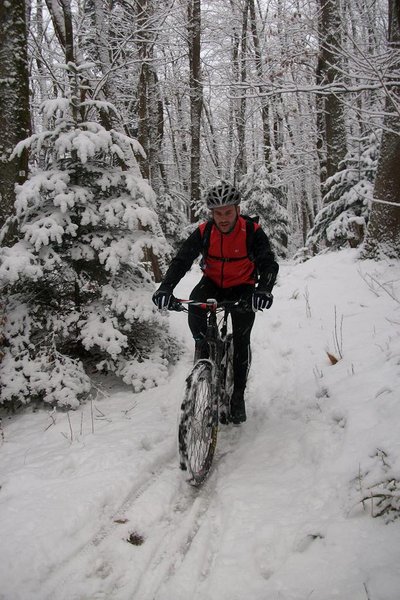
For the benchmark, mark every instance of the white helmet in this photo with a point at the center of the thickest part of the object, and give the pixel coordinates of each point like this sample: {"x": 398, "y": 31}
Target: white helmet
{"x": 223, "y": 194}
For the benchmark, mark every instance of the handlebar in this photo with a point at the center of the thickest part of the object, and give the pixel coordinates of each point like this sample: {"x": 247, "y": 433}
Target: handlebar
{"x": 212, "y": 305}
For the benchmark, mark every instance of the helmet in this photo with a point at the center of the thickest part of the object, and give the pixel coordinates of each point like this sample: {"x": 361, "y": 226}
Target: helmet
{"x": 223, "y": 194}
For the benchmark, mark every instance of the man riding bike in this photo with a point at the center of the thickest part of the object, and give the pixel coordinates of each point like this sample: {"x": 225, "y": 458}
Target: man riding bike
{"x": 237, "y": 255}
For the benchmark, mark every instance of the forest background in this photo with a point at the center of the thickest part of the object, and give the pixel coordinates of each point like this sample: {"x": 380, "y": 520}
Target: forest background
{"x": 116, "y": 115}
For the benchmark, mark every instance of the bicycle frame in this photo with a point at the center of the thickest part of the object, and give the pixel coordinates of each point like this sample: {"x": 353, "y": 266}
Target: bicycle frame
{"x": 216, "y": 338}
{"x": 216, "y": 334}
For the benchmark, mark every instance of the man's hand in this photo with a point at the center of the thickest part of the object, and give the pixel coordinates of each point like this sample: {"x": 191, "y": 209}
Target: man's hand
{"x": 262, "y": 300}
{"x": 162, "y": 297}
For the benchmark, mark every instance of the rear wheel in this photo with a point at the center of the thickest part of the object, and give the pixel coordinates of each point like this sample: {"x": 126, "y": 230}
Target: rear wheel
{"x": 198, "y": 425}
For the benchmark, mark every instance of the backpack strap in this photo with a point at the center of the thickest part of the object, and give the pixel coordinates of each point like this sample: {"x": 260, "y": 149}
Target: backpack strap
{"x": 205, "y": 230}
{"x": 250, "y": 229}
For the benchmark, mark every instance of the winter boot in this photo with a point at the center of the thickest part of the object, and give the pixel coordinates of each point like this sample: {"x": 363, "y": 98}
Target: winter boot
{"x": 238, "y": 409}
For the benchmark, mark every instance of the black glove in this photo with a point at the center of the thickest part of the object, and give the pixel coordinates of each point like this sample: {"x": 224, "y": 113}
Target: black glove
{"x": 163, "y": 296}
{"x": 262, "y": 300}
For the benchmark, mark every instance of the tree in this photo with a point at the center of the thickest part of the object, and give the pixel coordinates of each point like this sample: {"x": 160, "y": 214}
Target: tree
{"x": 266, "y": 142}
{"x": 383, "y": 234}
{"x": 150, "y": 108}
{"x": 265, "y": 199}
{"x": 196, "y": 95}
{"x": 14, "y": 102}
{"x": 78, "y": 292}
{"x": 329, "y": 72}
{"x": 348, "y": 195}
{"x": 240, "y": 113}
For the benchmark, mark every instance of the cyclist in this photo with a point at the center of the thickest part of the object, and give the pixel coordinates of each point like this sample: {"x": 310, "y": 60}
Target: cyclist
{"x": 236, "y": 257}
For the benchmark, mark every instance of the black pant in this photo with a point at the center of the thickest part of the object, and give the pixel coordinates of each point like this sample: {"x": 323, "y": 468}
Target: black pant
{"x": 242, "y": 323}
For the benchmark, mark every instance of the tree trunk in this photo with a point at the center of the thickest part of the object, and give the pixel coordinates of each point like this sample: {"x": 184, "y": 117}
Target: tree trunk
{"x": 14, "y": 102}
{"x": 150, "y": 109}
{"x": 266, "y": 144}
{"x": 241, "y": 161}
{"x": 383, "y": 236}
{"x": 101, "y": 17}
{"x": 320, "y": 123}
{"x": 212, "y": 143}
{"x": 230, "y": 168}
{"x": 39, "y": 62}
{"x": 328, "y": 72}
{"x": 196, "y": 98}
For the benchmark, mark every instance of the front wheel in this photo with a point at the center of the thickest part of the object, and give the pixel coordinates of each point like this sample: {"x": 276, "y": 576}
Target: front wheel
{"x": 198, "y": 426}
{"x": 227, "y": 380}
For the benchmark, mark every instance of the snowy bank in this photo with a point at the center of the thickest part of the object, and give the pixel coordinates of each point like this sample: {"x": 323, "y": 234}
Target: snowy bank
{"x": 93, "y": 505}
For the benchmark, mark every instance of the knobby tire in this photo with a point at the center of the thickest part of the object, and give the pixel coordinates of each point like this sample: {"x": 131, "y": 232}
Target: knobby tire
{"x": 227, "y": 380}
{"x": 198, "y": 425}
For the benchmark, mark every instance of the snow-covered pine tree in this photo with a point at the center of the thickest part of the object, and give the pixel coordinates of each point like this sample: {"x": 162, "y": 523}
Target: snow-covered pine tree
{"x": 265, "y": 198}
{"x": 347, "y": 199}
{"x": 199, "y": 208}
{"x": 77, "y": 282}
{"x": 173, "y": 216}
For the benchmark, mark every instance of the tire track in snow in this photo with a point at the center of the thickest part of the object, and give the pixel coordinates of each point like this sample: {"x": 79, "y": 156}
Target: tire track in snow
{"x": 58, "y": 577}
{"x": 190, "y": 515}
{"x": 176, "y": 530}
{"x": 177, "y": 536}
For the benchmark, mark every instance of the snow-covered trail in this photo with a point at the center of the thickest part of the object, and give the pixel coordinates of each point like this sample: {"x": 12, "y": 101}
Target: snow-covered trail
{"x": 279, "y": 517}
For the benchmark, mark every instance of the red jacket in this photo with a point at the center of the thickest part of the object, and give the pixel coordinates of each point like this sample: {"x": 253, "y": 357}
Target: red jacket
{"x": 222, "y": 247}
{"x": 227, "y": 263}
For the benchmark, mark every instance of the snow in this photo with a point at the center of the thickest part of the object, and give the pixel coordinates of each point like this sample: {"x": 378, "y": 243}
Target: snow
{"x": 281, "y": 514}
{"x": 20, "y": 260}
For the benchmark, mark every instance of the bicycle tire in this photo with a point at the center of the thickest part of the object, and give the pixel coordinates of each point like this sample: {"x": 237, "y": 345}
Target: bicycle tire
{"x": 227, "y": 375}
{"x": 198, "y": 426}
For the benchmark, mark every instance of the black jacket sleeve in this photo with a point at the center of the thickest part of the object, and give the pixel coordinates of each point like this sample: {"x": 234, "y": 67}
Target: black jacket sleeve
{"x": 187, "y": 254}
{"x": 264, "y": 258}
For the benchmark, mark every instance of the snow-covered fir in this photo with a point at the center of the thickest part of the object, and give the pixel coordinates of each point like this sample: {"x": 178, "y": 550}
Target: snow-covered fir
{"x": 173, "y": 216}
{"x": 265, "y": 198}
{"x": 347, "y": 201}
{"x": 93, "y": 504}
{"x": 78, "y": 278}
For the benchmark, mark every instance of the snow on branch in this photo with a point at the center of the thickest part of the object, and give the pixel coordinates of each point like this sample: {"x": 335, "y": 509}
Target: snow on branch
{"x": 18, "y": 262}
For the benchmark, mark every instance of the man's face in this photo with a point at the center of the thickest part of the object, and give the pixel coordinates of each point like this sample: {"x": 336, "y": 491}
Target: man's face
{"x": 225, "y": 217}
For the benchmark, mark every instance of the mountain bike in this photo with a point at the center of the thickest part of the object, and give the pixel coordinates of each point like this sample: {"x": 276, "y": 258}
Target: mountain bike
{"x": 209, "y": 387}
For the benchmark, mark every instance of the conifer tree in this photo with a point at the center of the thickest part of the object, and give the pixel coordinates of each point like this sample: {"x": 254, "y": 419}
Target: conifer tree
{"x": 348, "y": 194}
{"x": 266, "y": 199}
{"x": 173, "y": 216}
{"x": 77, "y": 282}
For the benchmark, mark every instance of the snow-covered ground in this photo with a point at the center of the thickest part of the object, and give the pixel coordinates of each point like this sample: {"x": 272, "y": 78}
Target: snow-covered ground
{"x": 281, "y": 515}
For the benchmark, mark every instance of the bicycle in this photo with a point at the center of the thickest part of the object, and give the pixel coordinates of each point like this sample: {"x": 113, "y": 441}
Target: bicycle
{"x": 209, "y": 387}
